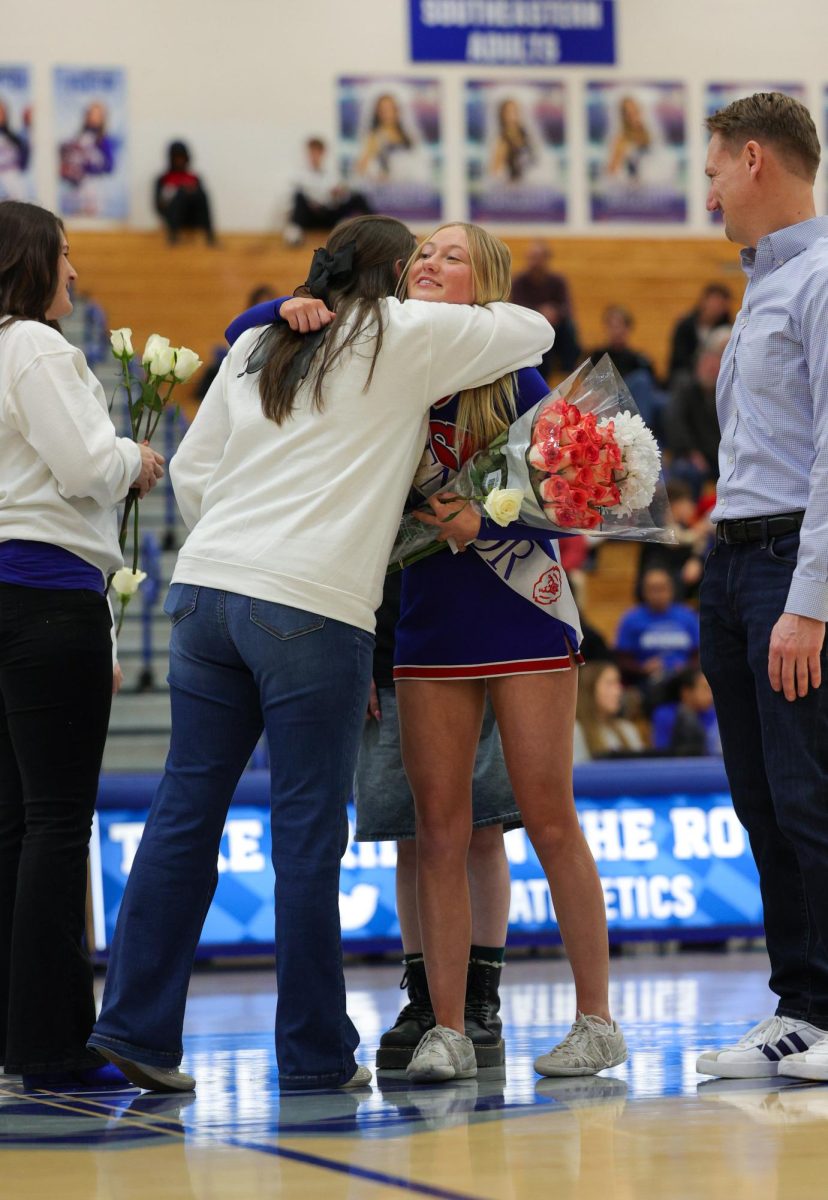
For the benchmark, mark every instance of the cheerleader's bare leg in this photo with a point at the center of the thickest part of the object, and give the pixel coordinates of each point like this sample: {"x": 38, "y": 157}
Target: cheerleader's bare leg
{"x": 440, "y": 728}
{"x": 536, "y": 718}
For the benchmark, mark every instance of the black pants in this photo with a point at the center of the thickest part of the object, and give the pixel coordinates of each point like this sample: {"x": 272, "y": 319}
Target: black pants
{"x": 189, "y": 208}
{"x": 566, "y": 352}
{"x": 326, "y": 216}
{"x": 55, "y": 696}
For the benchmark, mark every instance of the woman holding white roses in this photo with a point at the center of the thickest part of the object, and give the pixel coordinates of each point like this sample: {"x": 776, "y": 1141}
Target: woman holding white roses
{"x": 292, "y": 480}
{"x": 64, "y": 473}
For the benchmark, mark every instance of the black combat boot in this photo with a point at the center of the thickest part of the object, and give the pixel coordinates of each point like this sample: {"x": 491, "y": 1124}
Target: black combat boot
{"x": 483, "y": 1025}
{"x": 397, "y": 1044}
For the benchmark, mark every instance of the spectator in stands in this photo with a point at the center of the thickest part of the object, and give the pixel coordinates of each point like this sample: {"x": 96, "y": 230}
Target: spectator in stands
{"x": 694, "y": 535}
{"x": 713, "y": 311}
{"x": 658, "y": 636}
{"x": 64, "y": 473}
{"x": 180, "y": 198}
{"x": 321, "y": 199}
{"x": 547, "y": 292}
{"x": 691, "y": 423}
{"x": 636, "y": 369}
{"x": 685, "y": 725}
{"x": 600, "y": 730}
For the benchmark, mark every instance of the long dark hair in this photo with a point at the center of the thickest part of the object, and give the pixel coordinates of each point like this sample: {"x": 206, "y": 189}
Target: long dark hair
{"x": 374, "y": 246}
{"x": 31, "y": 242}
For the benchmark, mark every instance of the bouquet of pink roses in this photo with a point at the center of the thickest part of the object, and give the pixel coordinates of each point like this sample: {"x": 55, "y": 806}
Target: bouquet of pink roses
{"x": 580, "y": 461}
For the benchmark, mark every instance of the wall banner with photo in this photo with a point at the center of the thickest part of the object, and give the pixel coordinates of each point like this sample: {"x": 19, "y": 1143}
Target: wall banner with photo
{"x": 391, "y": 144}
{"x": 637, "y": 155}
{"x": 90, "y": 131}
{"x": 512, "y": 32}
{"x": 719, "y": 95}
{"x": 16, "y": 179}
{"x": 517, "y": 161}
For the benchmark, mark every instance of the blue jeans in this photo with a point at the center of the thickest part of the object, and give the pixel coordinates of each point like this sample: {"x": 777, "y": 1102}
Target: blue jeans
{"x": 238, "y": 665}
{"x": 776, "y": 756}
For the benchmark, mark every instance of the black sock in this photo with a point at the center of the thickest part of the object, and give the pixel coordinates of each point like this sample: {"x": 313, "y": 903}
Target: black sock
{"x": 415, "y": 957}
{"x": 489, "y": 954}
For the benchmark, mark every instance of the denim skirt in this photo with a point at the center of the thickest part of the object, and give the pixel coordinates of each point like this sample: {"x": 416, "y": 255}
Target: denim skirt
{"x": 384, "y": 804}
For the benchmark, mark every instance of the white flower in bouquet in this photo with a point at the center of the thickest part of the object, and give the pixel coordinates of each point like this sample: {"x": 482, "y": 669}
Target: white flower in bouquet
{"x": 121, "y": 342}
{"x": 641, "y": 460}
{"x": 503, "y": 504}
{"x": 187, "y": 363}
{"x": 155, "y": 342}
{"x": 126, "y": 583}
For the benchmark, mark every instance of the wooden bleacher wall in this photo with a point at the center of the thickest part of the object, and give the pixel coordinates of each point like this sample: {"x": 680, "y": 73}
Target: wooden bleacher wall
{"x": 190, "y": 292}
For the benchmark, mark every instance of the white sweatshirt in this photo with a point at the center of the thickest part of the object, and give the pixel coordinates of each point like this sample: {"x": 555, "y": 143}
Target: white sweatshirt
{"x": 305, "y": 513}
{"x": 63, "y": 469}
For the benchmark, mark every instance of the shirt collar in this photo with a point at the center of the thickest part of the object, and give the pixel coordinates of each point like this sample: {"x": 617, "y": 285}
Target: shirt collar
{"x": 778, "y": 247}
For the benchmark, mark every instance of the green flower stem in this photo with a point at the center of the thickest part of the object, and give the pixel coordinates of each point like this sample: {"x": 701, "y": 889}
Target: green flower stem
{"x": 121, "y": 615}
{"x": 402, "y": 563}
{"x": 135, "y": 538}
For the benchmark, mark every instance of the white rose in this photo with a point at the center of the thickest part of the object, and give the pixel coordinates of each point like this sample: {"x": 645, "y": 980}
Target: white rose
{"x": 121, "y": 342}
{"x": 162, "y": 362}
{"x": 503, "y": 504}
{"x": 187, "y": 363}
{"x": 154, "y": 343}
{"x": 126, "y": 582}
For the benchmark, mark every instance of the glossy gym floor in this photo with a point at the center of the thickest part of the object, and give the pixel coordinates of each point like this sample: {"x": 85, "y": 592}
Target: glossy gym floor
{"x": 651, "y": 1129}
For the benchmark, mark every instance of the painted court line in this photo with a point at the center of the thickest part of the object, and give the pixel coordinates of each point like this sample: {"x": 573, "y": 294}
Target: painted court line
{"x": 90, "y": 1107}
{"x": 330, "y": 1164}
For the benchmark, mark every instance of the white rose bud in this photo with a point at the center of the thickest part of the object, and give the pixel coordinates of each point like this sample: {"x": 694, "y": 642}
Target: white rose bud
{"x": 162, "y": 362}
{"x": 121, "y": 342}
{"x": 503, "y": 504}
{"x": 154, "y": 343}
{"x": 187, "y": 363}
{"x": 126, "y": 582}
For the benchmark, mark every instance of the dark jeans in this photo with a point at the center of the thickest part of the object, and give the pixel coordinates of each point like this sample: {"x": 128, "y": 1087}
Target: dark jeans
{"x": 776, "y": 756}
{"x": 238, "y": 665}
{"x": 55, "y": 696}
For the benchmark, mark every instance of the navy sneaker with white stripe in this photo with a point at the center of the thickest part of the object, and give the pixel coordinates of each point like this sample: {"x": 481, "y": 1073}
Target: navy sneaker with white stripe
{"x": 758, "y": 1054}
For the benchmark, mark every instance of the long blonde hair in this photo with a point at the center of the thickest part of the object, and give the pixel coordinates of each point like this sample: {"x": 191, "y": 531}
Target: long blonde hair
{"x": 482, "y": 412}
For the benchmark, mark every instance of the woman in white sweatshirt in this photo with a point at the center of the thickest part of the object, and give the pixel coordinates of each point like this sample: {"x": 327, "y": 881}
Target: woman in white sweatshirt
{"x": 63, "y": 472}
{"x": 292, "y": 480}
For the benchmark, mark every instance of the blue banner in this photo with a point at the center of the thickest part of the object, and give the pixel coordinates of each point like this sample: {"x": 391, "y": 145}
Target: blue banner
{"x": 671, "y": 865}
{"x": 529, "y": 33}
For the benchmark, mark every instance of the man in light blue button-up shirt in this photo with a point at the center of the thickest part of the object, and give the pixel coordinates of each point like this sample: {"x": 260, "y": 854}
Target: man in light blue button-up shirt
{"x": 764, "y": 600}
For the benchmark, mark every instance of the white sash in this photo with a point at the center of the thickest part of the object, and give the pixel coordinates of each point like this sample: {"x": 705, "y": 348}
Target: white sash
{"x": 532, "y": 570}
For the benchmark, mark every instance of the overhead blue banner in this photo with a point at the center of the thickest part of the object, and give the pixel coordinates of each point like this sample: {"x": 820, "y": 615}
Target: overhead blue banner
{"x": 672, "y": 865}
{"x": 514, "y": 33}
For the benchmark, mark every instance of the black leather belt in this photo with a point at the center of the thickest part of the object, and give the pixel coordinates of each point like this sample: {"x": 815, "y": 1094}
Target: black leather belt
{"x": 755, "y": 529}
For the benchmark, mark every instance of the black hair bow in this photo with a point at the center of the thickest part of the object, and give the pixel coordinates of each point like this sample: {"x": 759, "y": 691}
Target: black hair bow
{"x": 330, "y": 270}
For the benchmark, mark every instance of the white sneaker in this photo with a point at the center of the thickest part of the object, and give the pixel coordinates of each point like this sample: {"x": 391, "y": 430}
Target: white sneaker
{"x": 442, "y": 1054}
{"x": 808, "y": 1064}
{"x": 591, "y": 1045}
{"x": 292, "y": 235}
{"x": 153, "y": 1079}
{"x": 360, "y": 1078}
{"x": 760, "y": 1052}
